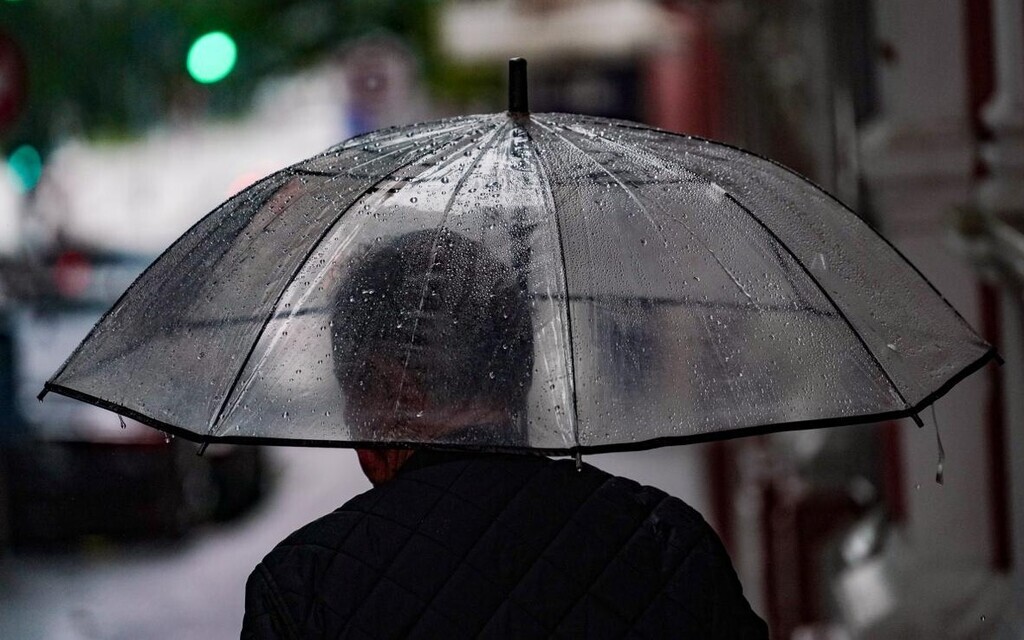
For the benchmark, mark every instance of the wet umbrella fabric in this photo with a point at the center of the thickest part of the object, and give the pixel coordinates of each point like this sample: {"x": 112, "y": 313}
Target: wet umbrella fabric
{"x": 677, "y": 290}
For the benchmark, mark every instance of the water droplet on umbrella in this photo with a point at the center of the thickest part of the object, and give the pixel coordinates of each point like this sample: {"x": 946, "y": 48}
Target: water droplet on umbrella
{"x": 413, "y": 199}
{"x": 123, "y": 425}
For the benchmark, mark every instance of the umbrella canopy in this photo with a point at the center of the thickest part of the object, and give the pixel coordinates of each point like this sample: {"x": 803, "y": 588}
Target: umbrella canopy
{"x": 549, "y": 282}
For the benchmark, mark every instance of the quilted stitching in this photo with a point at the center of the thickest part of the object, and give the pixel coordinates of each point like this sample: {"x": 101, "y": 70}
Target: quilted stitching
{"x": 506, "y": 546}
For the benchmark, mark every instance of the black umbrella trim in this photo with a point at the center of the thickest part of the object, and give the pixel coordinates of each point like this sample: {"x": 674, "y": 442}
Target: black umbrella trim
{"x": 909, "y": 412}
{"x": 653, "y": 443}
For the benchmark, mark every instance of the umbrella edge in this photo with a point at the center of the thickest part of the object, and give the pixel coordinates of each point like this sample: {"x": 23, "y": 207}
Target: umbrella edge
{"x": 652, "y": 443}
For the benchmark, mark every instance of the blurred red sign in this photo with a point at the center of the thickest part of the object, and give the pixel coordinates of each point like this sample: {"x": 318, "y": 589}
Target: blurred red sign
{"x": 13, "y": 81}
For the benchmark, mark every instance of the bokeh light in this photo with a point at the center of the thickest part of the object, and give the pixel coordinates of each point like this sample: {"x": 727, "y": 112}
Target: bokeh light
{"x": 211, "y": 57}
{"x": 26, "y": 165}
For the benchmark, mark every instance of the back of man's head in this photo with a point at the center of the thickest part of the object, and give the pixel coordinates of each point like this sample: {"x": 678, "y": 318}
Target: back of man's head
{"x": 440, "y": 309}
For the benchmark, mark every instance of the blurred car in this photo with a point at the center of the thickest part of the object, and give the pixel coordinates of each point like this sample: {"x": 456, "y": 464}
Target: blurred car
{"x": 80, "y": 470}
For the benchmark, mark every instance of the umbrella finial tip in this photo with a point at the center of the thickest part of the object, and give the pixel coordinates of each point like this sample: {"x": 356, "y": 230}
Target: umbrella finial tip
{"x": 518, "y": 98}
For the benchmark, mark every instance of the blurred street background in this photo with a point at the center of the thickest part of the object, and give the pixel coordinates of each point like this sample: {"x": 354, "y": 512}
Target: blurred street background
{"x": 122, "y": 123}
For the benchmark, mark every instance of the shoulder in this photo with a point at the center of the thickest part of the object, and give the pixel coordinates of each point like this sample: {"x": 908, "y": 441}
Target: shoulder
{"x": 481, "y": 537}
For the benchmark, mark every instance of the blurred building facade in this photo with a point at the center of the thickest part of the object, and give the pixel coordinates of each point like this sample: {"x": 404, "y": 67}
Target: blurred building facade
{"x": 911, "y": 112}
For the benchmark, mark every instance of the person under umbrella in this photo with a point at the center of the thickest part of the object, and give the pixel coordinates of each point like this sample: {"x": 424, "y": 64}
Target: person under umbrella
{"x": 458, "y": 544}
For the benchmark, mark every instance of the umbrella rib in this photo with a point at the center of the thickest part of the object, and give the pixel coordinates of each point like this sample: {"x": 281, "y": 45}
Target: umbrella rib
{"x": 647, "y": 214}
{"x": 313, "y": 247}
{"x": 695, "y": 179}
{"x": 785, "y": 247}
{"x": 608, "y": 300}
{"x": 290, "y": 171}
{"x": 632, "y": 126}
{"x": 433, "y": 255}
{"x": 549, "y": 201}
{"x": 709, "y": 436}
{"x": 389, "y": 135}
{"x": 777, "y": 248}
{"x": 795, "y": 259}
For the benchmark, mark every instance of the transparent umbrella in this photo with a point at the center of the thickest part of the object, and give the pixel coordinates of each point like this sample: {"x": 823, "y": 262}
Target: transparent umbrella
{"x": 519, "y": 281}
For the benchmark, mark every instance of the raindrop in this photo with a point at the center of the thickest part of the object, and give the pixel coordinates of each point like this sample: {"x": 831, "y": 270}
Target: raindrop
{"x": 413, "y": 199}
{"x": 123, "y": 425}
{"x": 167, "y": 438}
{"x": 917, "y": 486}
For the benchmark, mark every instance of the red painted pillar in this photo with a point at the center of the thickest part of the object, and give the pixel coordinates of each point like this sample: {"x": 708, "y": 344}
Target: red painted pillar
{"x": 981, "y": 85}
{"x": 682, "y": 82}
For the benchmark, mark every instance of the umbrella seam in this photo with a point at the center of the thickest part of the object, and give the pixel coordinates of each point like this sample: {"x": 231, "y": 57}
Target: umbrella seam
{"x": 824, "y": 292}
{"x": 785, "y": 247}
{"x": 302, "y": 263}
{"x": 673, "y": 166}
{"x": 647, "y": 214}
{"x": 624, "y": 124}
{"x": 549, "y": 201}
{"x": 336, "y": 149}
{"x": 387, "y": 133}
{"x": 651, "y": 443}
{"x": 433, "y": 254}
{"x": 289, "y": 171}
{"x": 145, "y": 271}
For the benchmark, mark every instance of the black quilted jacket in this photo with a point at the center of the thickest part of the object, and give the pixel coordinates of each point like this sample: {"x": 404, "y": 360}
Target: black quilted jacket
{"x": 495, "y": 546}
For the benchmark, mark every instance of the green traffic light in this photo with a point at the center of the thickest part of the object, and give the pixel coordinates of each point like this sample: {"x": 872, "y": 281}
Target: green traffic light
{"x": 211, "y": 57}
{"x": 27, "y": 166}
